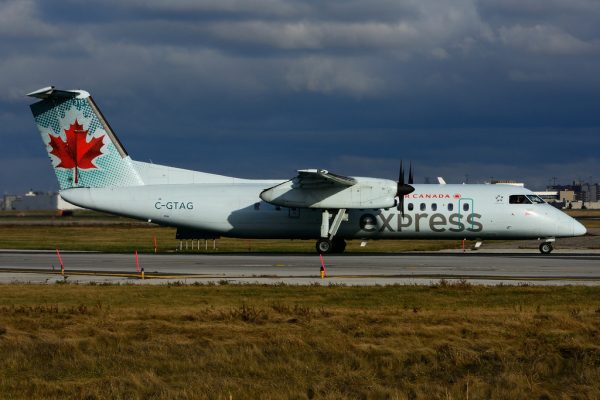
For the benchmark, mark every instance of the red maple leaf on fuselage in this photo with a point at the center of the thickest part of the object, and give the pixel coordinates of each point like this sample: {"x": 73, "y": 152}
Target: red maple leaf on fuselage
{"x": 76, "y": 152}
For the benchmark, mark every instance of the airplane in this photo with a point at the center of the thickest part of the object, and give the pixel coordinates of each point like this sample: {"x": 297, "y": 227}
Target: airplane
{"x": 95, "y": 171}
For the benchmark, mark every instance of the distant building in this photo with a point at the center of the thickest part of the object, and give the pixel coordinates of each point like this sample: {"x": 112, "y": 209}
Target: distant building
{"x": 566, "y": 195}
{"x": 581, "y": 191}
{"x": 7, "y": 201}
{"x": 590, "y": 192}
{"x": 578, "y": 195}
{"x": 36, "y": 201}
{"x": 549, "y": 195}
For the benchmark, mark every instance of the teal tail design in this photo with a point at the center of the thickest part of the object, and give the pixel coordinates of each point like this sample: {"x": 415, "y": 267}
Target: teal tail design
{"x": 83, "y": 149}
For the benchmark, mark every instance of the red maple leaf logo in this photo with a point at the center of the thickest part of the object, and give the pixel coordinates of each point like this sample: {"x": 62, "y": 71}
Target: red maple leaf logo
{"x": 76, "y": 152}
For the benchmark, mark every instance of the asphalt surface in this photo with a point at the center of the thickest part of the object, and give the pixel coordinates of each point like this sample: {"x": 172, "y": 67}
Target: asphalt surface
{"x": 530, "y": 267}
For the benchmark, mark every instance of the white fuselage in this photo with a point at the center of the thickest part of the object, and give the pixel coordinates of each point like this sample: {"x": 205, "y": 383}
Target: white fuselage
{"x": 236, "y": 209}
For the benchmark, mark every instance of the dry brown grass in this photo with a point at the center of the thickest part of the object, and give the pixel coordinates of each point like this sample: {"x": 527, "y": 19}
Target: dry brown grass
{"x": 406, "y": 342}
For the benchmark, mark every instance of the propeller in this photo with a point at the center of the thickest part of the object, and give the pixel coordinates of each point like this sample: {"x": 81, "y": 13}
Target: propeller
{"x": 403, "y": 188}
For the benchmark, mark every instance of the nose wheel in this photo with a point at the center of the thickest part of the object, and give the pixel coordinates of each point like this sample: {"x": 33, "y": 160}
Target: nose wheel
{"x": 546, "y": 248}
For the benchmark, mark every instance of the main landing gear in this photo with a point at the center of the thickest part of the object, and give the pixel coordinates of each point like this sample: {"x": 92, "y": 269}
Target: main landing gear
{"x": 546, "y": 248}
{"x": 328, "y": 243}
{"x": 336, "y": 245}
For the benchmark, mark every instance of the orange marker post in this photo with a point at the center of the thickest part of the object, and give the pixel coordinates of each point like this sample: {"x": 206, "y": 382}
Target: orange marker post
{"x": 155, "y": 245}
{"x": 323, "y": 270}
{"x": 137, "y": 262}
{"x": 463, "y": 245}
{"x": 62, "y": 266}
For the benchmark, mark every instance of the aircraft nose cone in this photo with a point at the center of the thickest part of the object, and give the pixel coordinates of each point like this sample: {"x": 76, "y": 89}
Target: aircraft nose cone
{"x": 578, "y": 229}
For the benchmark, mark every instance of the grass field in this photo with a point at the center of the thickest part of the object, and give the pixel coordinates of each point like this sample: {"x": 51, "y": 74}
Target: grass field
{"x": 270, "y": 342}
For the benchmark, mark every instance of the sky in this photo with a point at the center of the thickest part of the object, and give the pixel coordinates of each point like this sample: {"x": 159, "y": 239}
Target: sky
{"x": 470, "y": 90}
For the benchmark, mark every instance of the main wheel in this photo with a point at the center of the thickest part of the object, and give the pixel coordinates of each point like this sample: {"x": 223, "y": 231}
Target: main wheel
{"x": 338, "y": 245}
{"x": 324, "y": 246}
{"x": 546, "y": 248}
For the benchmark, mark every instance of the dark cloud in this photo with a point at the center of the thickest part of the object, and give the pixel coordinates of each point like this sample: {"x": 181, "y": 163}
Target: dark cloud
{"x": 258, "y": 88}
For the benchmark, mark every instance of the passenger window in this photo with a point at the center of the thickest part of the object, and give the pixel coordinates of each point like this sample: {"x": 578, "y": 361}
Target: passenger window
{"x": 277, "y": 208}
{"x": 466, "y": 206}
{"x": 423, "y": 207}
{"x": 434, "y": 207}
{"x": 450, "y": 206}
{"x": 518, "y": 199}
{"x": 257, "y": 206}
{"x": 410, "y": 207}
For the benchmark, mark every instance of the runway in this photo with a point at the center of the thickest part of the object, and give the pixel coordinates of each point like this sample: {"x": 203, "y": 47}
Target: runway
{"x": 560, "y": 268}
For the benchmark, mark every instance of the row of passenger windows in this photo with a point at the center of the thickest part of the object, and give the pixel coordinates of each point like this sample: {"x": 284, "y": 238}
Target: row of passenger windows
{"x": 434, "y": 207}
{"x": 513, "y": 199}
{"x": 411, "y": 207}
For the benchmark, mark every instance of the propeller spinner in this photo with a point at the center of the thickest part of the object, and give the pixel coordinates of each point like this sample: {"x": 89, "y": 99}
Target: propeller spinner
{"x": 403, "y": 188}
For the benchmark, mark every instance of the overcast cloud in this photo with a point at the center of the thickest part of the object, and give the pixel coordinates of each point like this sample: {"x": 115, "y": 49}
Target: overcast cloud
{"x": 507, "y": 89}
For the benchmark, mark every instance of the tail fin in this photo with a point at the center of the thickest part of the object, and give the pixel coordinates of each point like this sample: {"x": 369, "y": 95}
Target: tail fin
{"x": 83, "y": 149}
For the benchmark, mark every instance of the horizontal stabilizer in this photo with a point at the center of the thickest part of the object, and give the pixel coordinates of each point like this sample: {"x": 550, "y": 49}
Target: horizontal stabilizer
{"x": 50, "y": 91}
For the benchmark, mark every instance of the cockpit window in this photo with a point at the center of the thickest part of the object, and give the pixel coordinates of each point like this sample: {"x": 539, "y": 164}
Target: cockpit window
{"x": 535, "y": 199}
{"x": 519, "y": 199}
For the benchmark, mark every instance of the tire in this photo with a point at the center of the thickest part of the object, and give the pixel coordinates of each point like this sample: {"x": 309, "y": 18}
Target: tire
{"x": 338, "y": 245}
{"x": 546, "y": 248}
{"x": 324, "y": 246}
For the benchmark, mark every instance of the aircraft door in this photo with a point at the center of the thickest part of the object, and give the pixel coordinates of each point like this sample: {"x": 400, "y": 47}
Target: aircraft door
{"x": 466, "y": 209}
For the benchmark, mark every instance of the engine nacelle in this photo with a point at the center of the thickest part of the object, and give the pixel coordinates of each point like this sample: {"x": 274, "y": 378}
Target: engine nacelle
{"x": 365, "y": 193}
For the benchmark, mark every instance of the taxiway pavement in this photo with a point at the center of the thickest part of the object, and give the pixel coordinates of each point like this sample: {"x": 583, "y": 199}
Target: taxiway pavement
{"x": 560, "y": 268}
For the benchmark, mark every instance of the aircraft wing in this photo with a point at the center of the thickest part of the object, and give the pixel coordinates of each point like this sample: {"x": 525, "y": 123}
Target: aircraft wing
{"x": 321, "y": 178}
{"x": 318, "y": 188}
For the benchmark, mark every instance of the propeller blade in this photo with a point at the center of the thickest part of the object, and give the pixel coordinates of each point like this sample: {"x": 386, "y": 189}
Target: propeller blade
{"x": 411, "y": 179}
{"x": 401, "y": 206}
{"x": 401, "y": 175}
{"x": 402, "y": 189}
